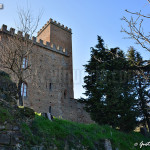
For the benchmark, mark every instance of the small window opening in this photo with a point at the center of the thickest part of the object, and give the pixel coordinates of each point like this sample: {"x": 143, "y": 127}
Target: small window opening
{"x": 24, "y": 90}
{"x": 50, "y": 86}
{"x": 65, "y": 94}
{"x": 24, "y": 63}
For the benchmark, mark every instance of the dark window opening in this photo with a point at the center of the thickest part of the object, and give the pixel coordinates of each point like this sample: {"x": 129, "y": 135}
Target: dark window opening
{"x": 65, "y": 94}
{"x": 50, "y": 86}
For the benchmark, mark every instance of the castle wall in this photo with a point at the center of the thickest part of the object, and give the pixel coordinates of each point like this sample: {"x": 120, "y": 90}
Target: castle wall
{"x": 51, "y": 82}
{"x": 56, "y": 33}
{"x": 50, "y": 68}
{"x": 45, "y": 36}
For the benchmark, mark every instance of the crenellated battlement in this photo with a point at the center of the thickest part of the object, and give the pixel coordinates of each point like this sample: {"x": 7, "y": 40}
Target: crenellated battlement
{"x": 55, "y": 23}
{"x": 48, "y": 45}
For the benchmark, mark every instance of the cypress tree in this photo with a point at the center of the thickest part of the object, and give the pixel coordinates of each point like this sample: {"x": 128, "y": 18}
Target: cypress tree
{"x": 109, "y": 88}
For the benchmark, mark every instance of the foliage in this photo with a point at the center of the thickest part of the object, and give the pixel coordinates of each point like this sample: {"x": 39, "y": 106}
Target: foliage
{"x": 27, "y": 112}
{"x": 77, "y": 135}
{"x": 4, "y": 74}
{"x": 135, "y": 29}
{"x": 141, "y": 85}
{"x": 8, "y": 89}
{"x": 109, "y": 88}
{"x": 17, "y": 48}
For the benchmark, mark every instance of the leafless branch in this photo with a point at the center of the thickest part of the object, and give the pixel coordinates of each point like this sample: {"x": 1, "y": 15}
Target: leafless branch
{"x": 137, "y": 13}
{"x": 14, "y": 48}
{"x": 135, "y": 28}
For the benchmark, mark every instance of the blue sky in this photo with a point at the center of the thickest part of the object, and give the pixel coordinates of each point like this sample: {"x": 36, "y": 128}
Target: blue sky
{"x": 87, "y": 19}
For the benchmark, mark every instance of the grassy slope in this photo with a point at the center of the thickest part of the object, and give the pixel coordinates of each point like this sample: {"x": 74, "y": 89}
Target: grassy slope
{"x": 60, "y": 131}
{"x": 76, "y": 135}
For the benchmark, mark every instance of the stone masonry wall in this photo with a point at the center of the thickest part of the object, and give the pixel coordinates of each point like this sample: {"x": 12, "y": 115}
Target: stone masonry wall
{"x": 51, "y": 83}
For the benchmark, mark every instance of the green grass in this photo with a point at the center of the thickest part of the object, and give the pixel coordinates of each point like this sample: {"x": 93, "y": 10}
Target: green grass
{"x": 91, "y": 136}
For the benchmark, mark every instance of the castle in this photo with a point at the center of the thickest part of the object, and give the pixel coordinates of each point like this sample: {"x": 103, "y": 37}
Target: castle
{"x": 52, "y": 81}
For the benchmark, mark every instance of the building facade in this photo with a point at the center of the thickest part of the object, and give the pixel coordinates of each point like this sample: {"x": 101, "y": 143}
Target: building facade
{"x": 52, "y": 81}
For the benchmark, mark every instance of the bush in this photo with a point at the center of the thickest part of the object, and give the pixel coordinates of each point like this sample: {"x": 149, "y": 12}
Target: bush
{"x": 26, "y": 112}
{"x": 8, "y": 89}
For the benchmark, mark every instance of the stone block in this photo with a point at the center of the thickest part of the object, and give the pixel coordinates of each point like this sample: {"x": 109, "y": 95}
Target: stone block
{"x": 15, "y": 128}
{"x": 5, "y": 148}
{"x": 144, "y": 131}
{"x": 2, "y": 127}
{"x": 8, "y": 127}
{"x": 4, "y": 139}
{"x": 108, "y": 145}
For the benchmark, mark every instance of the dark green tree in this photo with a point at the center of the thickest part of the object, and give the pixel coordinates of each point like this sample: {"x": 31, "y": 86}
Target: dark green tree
{"x": 109, "y": 90}
{"x": 142, "y": 85}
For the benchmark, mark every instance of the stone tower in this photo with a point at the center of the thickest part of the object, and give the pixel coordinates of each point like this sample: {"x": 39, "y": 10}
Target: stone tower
{"x": 61, "y": 36}
{"x": 58, "y": 69}
{"x": 56, "y": 33}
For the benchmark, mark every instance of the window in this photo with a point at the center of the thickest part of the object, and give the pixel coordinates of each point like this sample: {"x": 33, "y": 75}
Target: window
{"x": 65, "y": 94}
{"x": 50, "y": 86}
{"x": 24, "y": 90}
{"x": 24, "y": 63}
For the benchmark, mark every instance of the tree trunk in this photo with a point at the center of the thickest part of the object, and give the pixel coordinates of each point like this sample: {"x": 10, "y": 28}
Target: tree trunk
{"x": 19, "y": 93}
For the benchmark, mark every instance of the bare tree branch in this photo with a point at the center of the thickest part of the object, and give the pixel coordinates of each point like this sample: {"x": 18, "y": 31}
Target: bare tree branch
{"x": 15, "y": 48}
{"x": 135, "y": 29}
{"x": 137, "y": 13}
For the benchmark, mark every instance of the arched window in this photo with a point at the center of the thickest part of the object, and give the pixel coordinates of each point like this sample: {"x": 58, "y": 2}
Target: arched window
{"x": 25, "y": 63}
{"x": 24, "y": 90}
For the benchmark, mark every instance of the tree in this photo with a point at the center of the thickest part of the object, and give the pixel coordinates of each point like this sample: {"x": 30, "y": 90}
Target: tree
{"x": 15, "y": 49}
{"x": 109, "y": 88}
{"x": 141, "y": 86}
{"x": 135, "y": 30}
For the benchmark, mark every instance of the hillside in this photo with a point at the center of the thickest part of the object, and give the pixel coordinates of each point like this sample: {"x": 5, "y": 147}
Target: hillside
{"x": 21, "y": 129}
{"x": 40, "y": 133}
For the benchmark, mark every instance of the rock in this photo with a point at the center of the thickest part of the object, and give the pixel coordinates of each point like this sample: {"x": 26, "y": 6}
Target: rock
{"x": 15, "y": 137}
{"x": 144, "y": 131}
{"x": 38, "y": 148}
{"x": 10, "y": 133}
{"x": 4, "y": 139}
{"x": 8, "y": 127}
{"x": 18, "y": 135}
{"x": 66, "y": 146}
{"x": 5, "y": 122}
{"x": 5, "y": 148}
{"x": 2, "y": 127}
{"x": 15, "y": 128}
{"x": 18, "y": 146}
{"x": 13, "y": 141}
{"x": 108, "y": 145}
